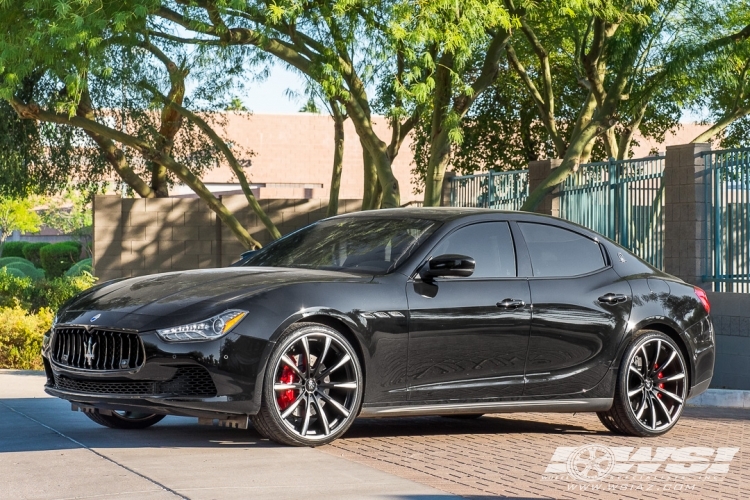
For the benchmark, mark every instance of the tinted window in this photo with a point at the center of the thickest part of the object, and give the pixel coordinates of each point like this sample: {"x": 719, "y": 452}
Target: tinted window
{"x": 355, "y": 244}
{"x": 558, "y": 252}
{"x": 488, "y": 243}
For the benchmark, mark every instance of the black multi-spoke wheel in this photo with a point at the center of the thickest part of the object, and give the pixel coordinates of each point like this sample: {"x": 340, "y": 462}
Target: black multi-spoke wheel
{"x": 312, "y": 389}
{"x": 652, "y": 387}
{"x": 125, "y": 419}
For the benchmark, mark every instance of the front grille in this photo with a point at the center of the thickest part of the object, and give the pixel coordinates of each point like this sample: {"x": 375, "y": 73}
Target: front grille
{"x": 97, "y": 349}
{"x": 188, "y": 381}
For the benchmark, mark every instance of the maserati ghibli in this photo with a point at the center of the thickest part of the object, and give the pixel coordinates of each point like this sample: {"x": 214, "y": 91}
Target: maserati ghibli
{"x": 389, "y": 313}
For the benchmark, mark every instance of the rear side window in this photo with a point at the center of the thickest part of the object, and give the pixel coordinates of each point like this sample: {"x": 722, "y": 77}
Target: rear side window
{"x": 558, "y": 252}
{"x": 488, "y": 243}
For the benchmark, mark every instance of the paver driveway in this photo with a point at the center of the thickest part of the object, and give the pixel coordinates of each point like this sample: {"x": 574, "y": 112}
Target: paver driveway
{"x": 47, "y": 451}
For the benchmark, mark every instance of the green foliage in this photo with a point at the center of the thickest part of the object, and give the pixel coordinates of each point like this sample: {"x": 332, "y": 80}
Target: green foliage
{"x": 59, "y": 257}
{"x": 69, "y": 212}
{"x": 31, "y": 252}
{"x": 14, "y": 249}
{"x": 46, "y": 293}
{"x": 21, "y": 335}
{"x": 79, "y": 268}
{"x": 17, "y": 214}
{"x": 27, "y": 268}
{"x": 16, "y": 273}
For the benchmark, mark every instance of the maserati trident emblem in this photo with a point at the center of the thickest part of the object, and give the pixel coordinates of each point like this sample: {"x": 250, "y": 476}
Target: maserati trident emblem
{"x": 89, "y": 355}
{"x": 95, "y": 317}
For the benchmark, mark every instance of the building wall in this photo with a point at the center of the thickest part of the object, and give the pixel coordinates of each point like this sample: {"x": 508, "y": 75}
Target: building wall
{"x": 135, "y": 237}
{"x": 289, "y": 153}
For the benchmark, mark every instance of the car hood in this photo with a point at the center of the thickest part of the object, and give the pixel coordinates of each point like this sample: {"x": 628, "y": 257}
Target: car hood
{"x": 189, "y": 295}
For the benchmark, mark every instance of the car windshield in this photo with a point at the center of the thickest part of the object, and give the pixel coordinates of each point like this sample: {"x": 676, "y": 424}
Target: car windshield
{"x": 368, "y": 245}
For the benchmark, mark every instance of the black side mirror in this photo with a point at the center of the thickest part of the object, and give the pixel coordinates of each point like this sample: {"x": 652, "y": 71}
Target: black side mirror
{"x": 459, "y": 266}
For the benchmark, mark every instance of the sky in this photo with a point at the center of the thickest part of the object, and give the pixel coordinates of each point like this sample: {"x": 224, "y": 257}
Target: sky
{"x": 270, "y": 96}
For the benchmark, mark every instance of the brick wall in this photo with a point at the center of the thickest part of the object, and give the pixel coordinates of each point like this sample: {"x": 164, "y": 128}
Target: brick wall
{"x": 135, "y": 237}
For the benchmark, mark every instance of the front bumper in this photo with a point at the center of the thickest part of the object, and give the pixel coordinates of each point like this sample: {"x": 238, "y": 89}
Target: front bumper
{"x": 199, "y": 379}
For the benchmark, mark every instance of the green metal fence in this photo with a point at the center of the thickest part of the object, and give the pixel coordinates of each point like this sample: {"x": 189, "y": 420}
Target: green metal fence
{"x": 727, "y": 191}
{"x": 498, "y": 190}
{"x": 623, "y": 200}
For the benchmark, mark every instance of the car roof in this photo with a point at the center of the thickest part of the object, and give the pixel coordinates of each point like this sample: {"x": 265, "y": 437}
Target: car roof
{"x": 430, "y": 213}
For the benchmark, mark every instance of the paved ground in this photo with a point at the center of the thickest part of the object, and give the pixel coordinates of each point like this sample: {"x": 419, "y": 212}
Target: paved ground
{"x": 46, "y": 451}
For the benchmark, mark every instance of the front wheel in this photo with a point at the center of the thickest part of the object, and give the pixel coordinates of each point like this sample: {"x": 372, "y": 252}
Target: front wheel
{"x": 125, "y": 419}
{"x": 652, "y": 386}
{"x": 312, "y": 388}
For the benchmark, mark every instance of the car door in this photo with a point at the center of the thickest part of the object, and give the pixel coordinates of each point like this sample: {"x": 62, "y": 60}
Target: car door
{"x": 468, "y": 336}
{"x": 581, "y": 310}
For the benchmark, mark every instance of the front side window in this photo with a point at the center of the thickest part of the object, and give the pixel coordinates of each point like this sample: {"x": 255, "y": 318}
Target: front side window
{"x": 358, "y": 244}
{"x": 488, "y": 243}
{"x": 556, "y": 251}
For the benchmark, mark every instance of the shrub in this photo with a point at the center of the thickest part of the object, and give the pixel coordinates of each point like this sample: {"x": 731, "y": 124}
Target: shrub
{"x": 14, "y": 249}
{"x": 54, "y": 293}
{"x": 27, "y": 268}
{"x": 35, "y": 295}
{"x": 79, "y": 268}
{"x": 59, "y": 257}
{"x": 31, "y": 252}
{"x": 7, "y": 260}
{"x": 21, "y": 334}
{"x": 15, "y": 272}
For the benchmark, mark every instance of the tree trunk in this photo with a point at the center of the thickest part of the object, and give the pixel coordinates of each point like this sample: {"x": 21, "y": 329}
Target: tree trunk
{"x": 159, "y": 181}
{"x": 440, "y": 149}
{"x": 722, "y": 124}
{"x": 440, "y": 146}
{"x": 571, "y": 159}
{"x": 338, "y": 160}
{"x": 370, "y": 180}
{"x": 378, "y": 153}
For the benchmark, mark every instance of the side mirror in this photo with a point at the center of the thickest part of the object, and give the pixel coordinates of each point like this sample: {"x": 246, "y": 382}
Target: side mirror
{"x": 459, "y": 266}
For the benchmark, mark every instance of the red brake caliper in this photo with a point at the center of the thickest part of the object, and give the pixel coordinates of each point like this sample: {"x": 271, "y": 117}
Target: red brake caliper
{"x": 287, "y": 397}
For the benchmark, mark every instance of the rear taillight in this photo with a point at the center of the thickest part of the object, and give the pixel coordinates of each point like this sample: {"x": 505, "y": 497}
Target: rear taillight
{"x": 703, "y": 298}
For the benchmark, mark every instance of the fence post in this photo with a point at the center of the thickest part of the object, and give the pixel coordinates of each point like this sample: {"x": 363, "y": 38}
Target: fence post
{"x": 490, "y": 190}
{"x": 447, "y": 195}
{"x": 538, "y": 171}
{"x": 686, "y": 239}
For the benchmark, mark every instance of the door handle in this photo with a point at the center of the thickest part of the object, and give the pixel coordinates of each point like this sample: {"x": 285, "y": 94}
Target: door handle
{"x": 511, "y": 303}
{"x": 613, "y": 298}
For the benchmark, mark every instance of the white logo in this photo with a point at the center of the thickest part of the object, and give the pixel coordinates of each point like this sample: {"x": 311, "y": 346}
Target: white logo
{"x": 95, "y": 317}
{"x": 89, "y": 355}
{"x": 591, "y": 463}
{"x": 595, "y": 462}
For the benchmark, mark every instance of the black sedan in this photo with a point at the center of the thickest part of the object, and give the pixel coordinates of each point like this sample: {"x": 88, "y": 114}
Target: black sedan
{"x": 453, "y": 312}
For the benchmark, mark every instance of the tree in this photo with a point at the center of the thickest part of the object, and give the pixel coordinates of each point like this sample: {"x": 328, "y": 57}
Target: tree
{"x": 95, "y": 61}
{"x": 17, "y": 214}
{"x": 626, "y": 57}
{"x": 725, "y": 75}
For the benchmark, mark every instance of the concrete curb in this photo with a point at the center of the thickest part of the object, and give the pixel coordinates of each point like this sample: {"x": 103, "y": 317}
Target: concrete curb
{"x": 722, "y": 398}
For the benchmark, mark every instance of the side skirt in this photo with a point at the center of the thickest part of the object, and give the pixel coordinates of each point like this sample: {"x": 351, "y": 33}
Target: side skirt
{"x": 544, "y": 406}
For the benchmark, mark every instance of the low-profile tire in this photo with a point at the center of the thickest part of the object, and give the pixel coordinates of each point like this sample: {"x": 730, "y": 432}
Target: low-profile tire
{"x": 652, "y": 386}
{"x": 312, "y": 389}
{"x": 606, "y": 418}
{"x": 125, "y": 419}
{"x": 464, "y": 416}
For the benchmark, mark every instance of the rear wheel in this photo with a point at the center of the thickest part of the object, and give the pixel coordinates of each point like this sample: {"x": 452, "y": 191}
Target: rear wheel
{"x": 652, "y": 386}
{"x": 312, "y": 388}
{"x": 125, "y": 419}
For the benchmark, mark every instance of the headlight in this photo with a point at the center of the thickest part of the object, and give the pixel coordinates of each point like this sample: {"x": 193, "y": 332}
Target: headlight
{"x": 209, "y": 329}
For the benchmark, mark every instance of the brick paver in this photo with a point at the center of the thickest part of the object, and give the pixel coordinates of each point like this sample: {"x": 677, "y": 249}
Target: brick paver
{"x": 507, "y": 455}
